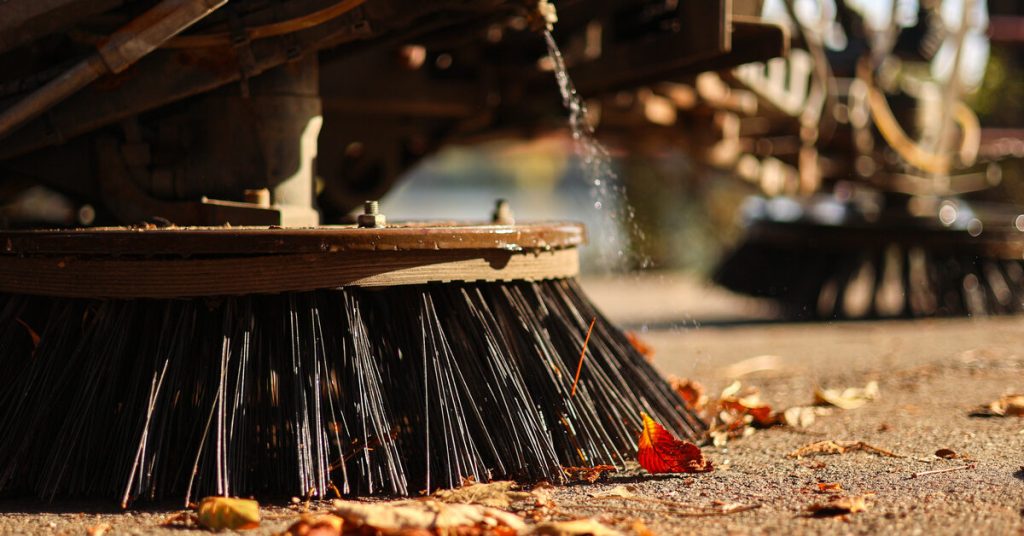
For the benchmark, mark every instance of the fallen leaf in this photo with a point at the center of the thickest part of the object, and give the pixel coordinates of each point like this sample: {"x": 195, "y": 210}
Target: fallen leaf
{"x": 499, "y": 494}
{"x": 658, "y": 451}
{"x": 753, "y": 364}
{"x": 219, "y": 513}
{"x": 690, "y": 391}
{"x": 639, "y": 345}
{"x": 588, "y": 474}
{"x": 640, "y": 529}
{"x": 578, "y": 527}
{"x": 800, "y": 416}
{"x": 840, "y": 447}
{"x": 829, "y": 487}
{"x": 760, "y": 412}
{"x": 1006, "y": 405}
{"x": 179, "y": 519}
{"x": 98, "y": 530}
{"x": 315, "y": 525}
{"x": 617, "y": 491}
{"x": 397, "y": 517}
{"x": 946, "y": 454}
{"x": 850, "y": 398}
{"x": 841, "y": 506}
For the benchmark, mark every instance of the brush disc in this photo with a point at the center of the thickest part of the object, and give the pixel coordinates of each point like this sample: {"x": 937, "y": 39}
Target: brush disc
{"x": 388, "y": 379}
{"x": 909, "y": 267}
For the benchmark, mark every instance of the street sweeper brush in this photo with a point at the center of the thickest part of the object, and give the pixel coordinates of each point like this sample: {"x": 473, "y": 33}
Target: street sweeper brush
{"x": 897, "y": 266}
{"x": 174, "y": 363}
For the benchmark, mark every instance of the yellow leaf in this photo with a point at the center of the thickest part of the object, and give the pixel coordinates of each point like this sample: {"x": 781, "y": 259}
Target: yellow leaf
{"x": 219, "y": 513}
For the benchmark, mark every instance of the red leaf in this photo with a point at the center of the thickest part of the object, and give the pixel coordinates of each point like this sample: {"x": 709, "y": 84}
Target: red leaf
{"x": 659, "y": 452}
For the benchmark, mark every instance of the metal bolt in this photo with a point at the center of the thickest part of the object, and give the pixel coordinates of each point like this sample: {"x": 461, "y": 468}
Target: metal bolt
{"x": 502, "y": 214}
{"x": 371, "y": 216}
{"x": 259, "y": 197}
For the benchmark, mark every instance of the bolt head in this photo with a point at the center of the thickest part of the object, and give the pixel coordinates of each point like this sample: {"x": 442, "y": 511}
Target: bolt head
{"x": 371, "y": 220}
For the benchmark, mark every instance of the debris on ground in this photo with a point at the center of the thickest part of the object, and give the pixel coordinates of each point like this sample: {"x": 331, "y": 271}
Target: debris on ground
{"x": 220, "y": 513}
{"x": 640, "y": 345}
{"x": 498, "y": 494}
{"x": 829, "y": 487}
{"x": 588, "y": 474}
{"x": 840, "y": 447}
{"x": 849, "y": 398}
{"x": 840, "y": 506}
{"x": 1007, "y": 405}
{"x": 658, "y": 451}
{"x": 692, "y": 393}
{"x": 98, "y": 530}
{"x": 578, "y": 527}
{"x": 946, "y": 454}
{"x": 622, "y": 492}
{"x": 945, "y": 470}
{"x": 315, "y": 525}
{"x": 432, "y": 516}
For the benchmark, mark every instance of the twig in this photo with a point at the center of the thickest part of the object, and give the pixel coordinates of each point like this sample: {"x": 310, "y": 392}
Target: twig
{"x": 583, "y": 354}
{"x": 946, "y": 470}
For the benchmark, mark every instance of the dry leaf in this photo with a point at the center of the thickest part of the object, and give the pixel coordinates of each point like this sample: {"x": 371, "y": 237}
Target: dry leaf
{"x": 829, "y": 487}
{"x": 850, "y": 398}
{"x": 639, "y": 345}
{"x": 617, "y": 491}
{"x": 658, "y": 451}
{"x": 640, "y": 529}
{"x": 841, "y": 506}
{"x": 98, "y": 530}
{"x": 1006, "y": 405}
{"x": 588, "y": 474}
{"x": 690, "y": 391}
{"x": 946, "y": 454}
{"x": 579, "y": 527}
{"x": 799, "y": 416}
{"x": 500, "y": 494}
{"x": 839, "y": 447}
{"x": 315, "y": 525}
{"x": 427, "y": 515}
{"x": 753, "y": 364}
{"x": 219, "y": 513}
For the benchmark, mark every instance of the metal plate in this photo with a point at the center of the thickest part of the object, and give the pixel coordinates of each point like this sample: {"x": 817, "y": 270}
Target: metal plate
{"x": 124, "y": 263}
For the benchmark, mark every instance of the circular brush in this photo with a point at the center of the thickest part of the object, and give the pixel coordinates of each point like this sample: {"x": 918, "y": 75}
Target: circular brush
{"x": 156, "y": 363}
{"x": 897, "y": 266}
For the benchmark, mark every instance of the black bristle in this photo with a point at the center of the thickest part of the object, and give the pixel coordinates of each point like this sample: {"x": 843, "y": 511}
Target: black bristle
{"x": 375, "y": 391}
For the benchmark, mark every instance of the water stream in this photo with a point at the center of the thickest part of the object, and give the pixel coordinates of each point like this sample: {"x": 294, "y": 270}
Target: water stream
{"x": 607, "y": 190}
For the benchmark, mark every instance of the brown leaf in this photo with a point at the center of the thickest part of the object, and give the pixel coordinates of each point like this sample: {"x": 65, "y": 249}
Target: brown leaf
{"x": 499, "y": 494}
{"x": 588, "y": 474}
{"x": 1007, "y": 405}
{"x": 640, "y": 346}
{"x": 578, "y": 527}
{"x": 640, "y": 529}
{"x": 946, "y": 454}
{"x": 849, "y": 398}
{"x": 617, "y": 491}
{"x": 690, "y": 391}
{"x": 800, "y": 416}
{"x": 658, "y": 451}
{"x": 98, "y": 530}
{"x": 829, "y": 487}
{"x": 315, "y": 525}
{"x": 435, "y": 517}
{"x": 840, "y": 447}
{"x": 219, "y": 513}
{"x": 841, "y": 506}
